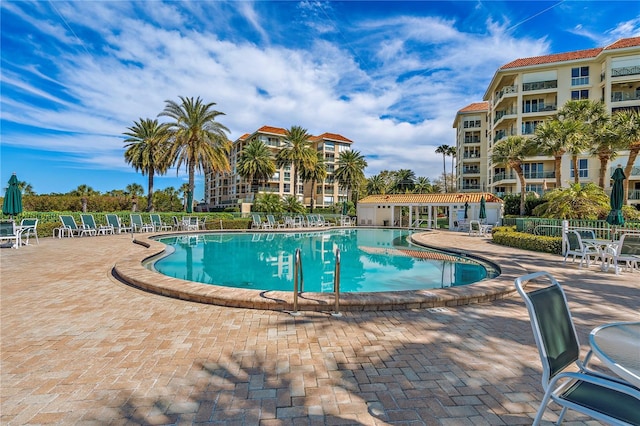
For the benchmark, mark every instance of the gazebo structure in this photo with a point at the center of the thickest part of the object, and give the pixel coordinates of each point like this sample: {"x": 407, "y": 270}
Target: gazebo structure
{"x": 413, "y": 210}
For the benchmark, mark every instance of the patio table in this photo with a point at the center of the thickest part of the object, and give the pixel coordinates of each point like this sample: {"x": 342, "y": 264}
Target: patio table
{"x": 601, "y": 246}
{"x": 617, "y": 345}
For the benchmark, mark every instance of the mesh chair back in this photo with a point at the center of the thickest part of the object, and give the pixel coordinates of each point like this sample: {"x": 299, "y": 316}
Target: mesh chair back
{"x": 574, "y": 241}
{"x": 587, "y": 233}
{"x": 113, "y": 220}
{"x": 88, "y": 220}
{"x": 69, "y": 222}
{"x": 630, "y": 245}
{"x": 7, "y": 228}
{"x": 552, "y": 325}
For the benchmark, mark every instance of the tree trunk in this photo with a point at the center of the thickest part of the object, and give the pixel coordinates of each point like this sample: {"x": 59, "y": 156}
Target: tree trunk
{"x": 576, "y": 172}
{"x": 523, "y": 188}
{"x": 444, "y": 168}
{"x": 604, "y": 161}
{"x": 313, "y": 193}
{"x": 633, "y": 154}
{"x": 84, "y": 204}
{"x": 150, "y": 192}
{"x": 558, "y": 170}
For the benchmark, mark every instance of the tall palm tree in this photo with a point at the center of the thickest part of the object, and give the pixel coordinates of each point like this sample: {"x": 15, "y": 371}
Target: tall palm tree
{"x": 26, "y": 188}
{"x": 423, "y": 185}
{"x": 199, "y": 141}
{"x": 605, "y": 145}
{"x": 404, "y": 181}
{"x": 376, "y": 184}
{"x": 587, "y": 117}
{"x": 628, "y": 123}
{"x": 296, "y": 153}
{"x": 552, "y": 138}
{"x": 256, "y": 162}
{"x": 350, "y": 170}
{"x": 317, "y": 173}
{"x": 148, "y": 150}
{"x": 444, "y": 149}
{"x": 452, "y": 152}
{"x": 511, "y": 153}
{"x": 184, "y": 190}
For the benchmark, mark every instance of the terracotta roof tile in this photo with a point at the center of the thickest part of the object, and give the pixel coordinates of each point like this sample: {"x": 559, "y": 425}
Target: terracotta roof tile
{"x": 334, "y": 137}
{"x": 557, "y": 57}
{"x": 274, "y": 130}
{"x": 471, "y": 197}
{"x": 624, "y": 42}
{"x": 476, "y": 106}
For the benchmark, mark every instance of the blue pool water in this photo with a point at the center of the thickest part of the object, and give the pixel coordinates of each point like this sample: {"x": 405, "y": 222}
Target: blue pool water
{"x": 371, "y": 260}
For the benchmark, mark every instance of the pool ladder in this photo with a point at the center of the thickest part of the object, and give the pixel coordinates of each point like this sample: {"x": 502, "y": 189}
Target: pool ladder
{"x": 297, "y": 275}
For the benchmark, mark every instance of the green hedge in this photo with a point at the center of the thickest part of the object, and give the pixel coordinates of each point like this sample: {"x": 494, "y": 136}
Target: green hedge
{"x": 507, "y": 236}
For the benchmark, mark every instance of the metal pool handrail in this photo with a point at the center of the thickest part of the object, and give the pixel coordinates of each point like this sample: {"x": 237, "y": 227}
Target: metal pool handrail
{"x": 297, "y": 271}
{"x": 336, "y": 285}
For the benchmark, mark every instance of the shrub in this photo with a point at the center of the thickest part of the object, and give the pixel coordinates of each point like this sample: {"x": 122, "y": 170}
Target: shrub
{"x": 507, "y": 236}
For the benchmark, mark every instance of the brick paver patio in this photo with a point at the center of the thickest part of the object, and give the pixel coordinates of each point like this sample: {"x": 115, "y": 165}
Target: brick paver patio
{"x": 80, "y": 347}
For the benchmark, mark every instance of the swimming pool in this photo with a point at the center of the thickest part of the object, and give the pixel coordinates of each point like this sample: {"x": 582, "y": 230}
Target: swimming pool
{"x": 372, "y": 260}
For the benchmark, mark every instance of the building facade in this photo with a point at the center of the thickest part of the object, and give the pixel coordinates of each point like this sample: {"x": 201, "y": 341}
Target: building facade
{"x": 232, "y": 190}
{"x": 528, "y": 91}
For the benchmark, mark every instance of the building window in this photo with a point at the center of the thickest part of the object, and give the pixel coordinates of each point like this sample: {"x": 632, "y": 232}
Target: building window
{"x": 533, "y": 170}
{"x": 576, "y": 95}
{"x": 533, "y": 105}
{"x": 579, "y": 76}
{"x": 583, "y": 168}
{"x": 286, "y": 188}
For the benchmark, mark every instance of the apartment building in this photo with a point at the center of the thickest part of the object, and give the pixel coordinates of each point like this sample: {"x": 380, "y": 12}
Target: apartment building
{"x": 232, "y": 190}
{"x": 526, "y": 92}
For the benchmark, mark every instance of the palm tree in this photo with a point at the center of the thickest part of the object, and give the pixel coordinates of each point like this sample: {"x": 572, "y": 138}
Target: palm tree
{"x": 452, "y": 152}
{"x": 511, "y": 153}
{"x": 148, "y": 150}
{"x": 297, "y": 153}
{"x": 350, "y": 170}
{"x": 184, "y": 190}
{"x": 318, "y": 173}
{"x": 552, "y": 138}
{"x": 422, "y": 186}
{"x": 628, "y": 123}
{"x": 605, "y": 145}
{"x": 376, "y": 185}
{"x": 587, "y": 117}
{"x": 199, "y": 141}
{"x": 26, "y": 188}
{"x": 268, "y": 203}
{"x": 404, "y": 181}
{"x": 292, "y": 204}
{"x": 575, "y": 202}
{"x": 84, "y": 191}
{"x": 135, "y": 190}
{"x": 444, "y": 149}
{"x": 256, "y": 162}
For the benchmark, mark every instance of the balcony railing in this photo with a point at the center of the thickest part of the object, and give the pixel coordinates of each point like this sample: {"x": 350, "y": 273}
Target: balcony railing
{"x": 470, "y": 170}
{"x": 540, "y": 85}
{"x": 471, "y": 155}
{"x": 505, "y": 91}
{"x": 502, "y": 113}
{"x": 502, "y": 176}
{"x": 540, "y": 175}
{"x": 622, "y": 71}
{"x": 624, "y": 96}
{"x": 475, "y": 139}
{"x": 635, "y": 171}
{"x": 471, "y": 187}
{"x": 634, "y": 194}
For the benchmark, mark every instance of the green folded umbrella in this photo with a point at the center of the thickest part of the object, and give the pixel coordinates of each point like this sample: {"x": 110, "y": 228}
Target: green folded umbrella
{"x": 12, "y": 204}
{"x": 615, "y": 217}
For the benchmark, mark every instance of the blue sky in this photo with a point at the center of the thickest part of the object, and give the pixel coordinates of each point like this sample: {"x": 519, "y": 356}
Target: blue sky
{"x": 388, "y": 75}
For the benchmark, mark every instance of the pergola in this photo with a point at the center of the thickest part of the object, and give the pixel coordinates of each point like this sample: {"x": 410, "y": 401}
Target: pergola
{"x": 387, "y": 210}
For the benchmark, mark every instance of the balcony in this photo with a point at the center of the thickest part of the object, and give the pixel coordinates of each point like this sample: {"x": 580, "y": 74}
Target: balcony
{"x": 623, "y": 71}
{"x": 501, "y": 134}
{"x": 471, "y": 155}
{"x": 540, "y": 175}
{"x": 474, "y": 139}
{"x": 635, "y": 171}
{"x": 471, "y": 187}
{"x": 471, "y": 170}
{"x": 505, "y": 112}
{"x": 506, "y": 90}
{"x": 625, "y": 96}
{"x": 540, "y": 85}
{"x": 503, "y": 176}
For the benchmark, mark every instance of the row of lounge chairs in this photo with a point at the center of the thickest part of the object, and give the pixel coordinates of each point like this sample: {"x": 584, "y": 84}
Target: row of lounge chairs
{"x": 298, "y": 221}
{"x": 114, "y": 225}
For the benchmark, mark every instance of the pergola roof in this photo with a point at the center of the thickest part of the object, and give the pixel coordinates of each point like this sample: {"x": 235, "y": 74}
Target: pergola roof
{"x": 440, "y": 199}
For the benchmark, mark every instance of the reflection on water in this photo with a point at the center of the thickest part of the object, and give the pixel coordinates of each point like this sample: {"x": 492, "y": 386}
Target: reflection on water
{"x": 371, "y": 260}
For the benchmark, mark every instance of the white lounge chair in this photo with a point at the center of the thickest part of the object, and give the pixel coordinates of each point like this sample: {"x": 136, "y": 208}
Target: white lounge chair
{"x": 114, "y": 221}
{"x": 158, "y": 224}
{"x": 71, "y": 228}
{"x": 138, "y": 225}
{"x": 89, "y": 222}
{"x": 28, "y": 227}
{"x": 626, "y": 251}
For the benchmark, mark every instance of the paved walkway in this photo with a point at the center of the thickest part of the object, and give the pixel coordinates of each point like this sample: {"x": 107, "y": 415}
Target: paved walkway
{"x": 79, "y": 347}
